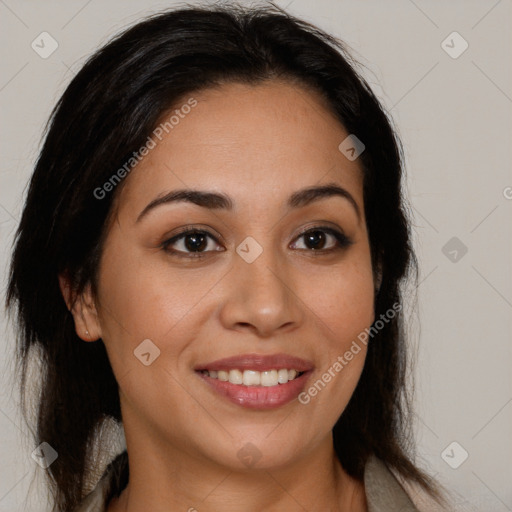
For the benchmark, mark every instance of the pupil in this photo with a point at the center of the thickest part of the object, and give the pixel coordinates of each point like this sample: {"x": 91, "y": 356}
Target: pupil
{"x": 197, "y": 242}
{"x": 314, "y": 237}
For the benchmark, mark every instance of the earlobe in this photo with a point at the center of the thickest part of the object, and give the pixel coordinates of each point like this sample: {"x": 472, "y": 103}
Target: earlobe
{"x": 83, "y": 309}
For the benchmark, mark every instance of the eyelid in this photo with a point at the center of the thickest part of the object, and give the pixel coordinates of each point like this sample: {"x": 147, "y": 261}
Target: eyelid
{"x": 321, "y": 226}
{"x": 193, "y": 228}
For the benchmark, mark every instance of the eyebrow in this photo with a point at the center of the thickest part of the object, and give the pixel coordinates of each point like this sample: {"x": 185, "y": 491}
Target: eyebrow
{"x": 218, "y": 201}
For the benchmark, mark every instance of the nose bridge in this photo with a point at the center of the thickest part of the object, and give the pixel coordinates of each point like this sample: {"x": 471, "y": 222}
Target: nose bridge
{"x": 261, "y": 276}
{"x": 261, "y": 292}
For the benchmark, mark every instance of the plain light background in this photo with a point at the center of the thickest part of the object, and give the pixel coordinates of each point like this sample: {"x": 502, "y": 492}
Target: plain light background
{"x": 454, "y": 117}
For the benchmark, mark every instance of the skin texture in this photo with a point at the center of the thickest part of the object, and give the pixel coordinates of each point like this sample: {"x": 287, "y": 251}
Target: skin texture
{"x": 257, "y": 144}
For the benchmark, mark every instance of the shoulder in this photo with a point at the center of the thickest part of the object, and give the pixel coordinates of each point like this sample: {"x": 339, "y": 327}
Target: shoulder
{"x": 96, "y": 500}
{"x": 114, "y": 478}
{"x": 383, "y": 490}
{"x": 386, "y": 491}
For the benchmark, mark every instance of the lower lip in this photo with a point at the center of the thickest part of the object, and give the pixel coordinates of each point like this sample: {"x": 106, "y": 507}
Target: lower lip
{"x": 258, "y": 397}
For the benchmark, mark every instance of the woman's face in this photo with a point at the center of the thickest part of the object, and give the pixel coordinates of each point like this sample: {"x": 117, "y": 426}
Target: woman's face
{"x": 248, "y": 284}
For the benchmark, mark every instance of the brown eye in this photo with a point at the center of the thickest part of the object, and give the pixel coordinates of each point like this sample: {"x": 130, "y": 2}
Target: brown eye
{"x": 191, "y": 243}
{"x": 316, "y": 239}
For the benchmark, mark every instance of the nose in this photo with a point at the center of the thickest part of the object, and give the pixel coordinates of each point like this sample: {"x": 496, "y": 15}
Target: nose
{"x": 261, "y": 297}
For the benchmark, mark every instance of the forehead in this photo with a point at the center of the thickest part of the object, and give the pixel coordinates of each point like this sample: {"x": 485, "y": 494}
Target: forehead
{"x": 249, "y": 141}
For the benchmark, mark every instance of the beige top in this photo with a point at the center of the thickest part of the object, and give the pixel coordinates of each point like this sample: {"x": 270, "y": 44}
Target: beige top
{"x": 383, "y": 491}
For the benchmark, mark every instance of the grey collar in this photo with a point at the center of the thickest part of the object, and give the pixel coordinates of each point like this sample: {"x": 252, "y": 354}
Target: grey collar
{"x": 383, "y": 491}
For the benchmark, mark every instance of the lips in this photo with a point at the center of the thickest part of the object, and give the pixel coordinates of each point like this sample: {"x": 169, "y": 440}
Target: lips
{"x": 258, "y": 362}
{"x": 269, "y": 392}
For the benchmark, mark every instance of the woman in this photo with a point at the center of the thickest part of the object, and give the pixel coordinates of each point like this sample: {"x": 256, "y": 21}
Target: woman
{"x": 211, "y": 254}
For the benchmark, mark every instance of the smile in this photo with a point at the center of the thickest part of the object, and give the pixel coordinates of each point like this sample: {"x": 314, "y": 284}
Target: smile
{"x": 267, "y": 378}
{"x": 256, "y": 381}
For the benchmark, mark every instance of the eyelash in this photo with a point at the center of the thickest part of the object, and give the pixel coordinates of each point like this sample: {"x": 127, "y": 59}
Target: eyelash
{"x": 342, "y": 242}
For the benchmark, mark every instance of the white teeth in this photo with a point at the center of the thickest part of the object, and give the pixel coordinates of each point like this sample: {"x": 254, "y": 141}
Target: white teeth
{"x": 250, "y": 378}
{"x": 253, "y": 377}
{"x": 222, "y": 375}
{"x": 269, "y": 378}
{"x": 282, "y": 376}
{"x": 235, "y": 377}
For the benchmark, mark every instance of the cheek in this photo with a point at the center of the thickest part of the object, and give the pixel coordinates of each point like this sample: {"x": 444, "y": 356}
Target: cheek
{"x": 343, "y": 298}
{"x": 345, "y": 309}
{"x": 143, "y": 305}
{"x": 144, "y": 298}
{"x": 135, "y": 302}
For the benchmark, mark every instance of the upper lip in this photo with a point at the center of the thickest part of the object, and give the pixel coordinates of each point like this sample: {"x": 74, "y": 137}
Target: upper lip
{"x": 259, "y": 362}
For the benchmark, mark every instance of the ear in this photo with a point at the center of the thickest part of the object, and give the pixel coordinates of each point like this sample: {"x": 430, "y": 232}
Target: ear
{"x": 83, "y": 309}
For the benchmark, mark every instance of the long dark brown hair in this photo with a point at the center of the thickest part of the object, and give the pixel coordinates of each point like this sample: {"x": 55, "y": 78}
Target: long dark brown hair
{"x": 105, "y": 114}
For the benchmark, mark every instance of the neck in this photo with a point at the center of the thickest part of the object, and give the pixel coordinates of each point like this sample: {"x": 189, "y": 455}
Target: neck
{"x": 167, "y": 480}
{"x": 167, "y": 476}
